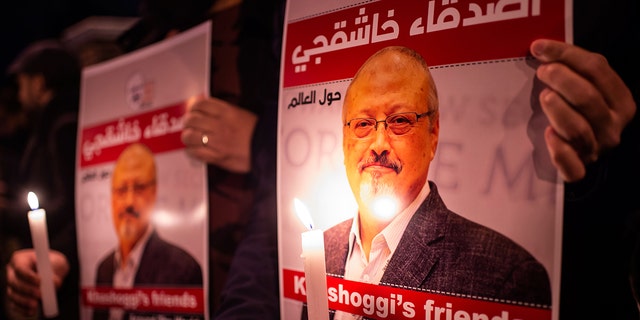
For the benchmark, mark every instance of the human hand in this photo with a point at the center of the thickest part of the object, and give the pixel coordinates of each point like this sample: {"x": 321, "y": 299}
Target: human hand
{"x": 219, "y": 133}
{"x": 23, "y": 281}
{"x": 587, "y": 104}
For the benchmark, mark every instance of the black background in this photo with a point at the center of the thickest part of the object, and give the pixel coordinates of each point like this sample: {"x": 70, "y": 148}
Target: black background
{"x": 24, "y": 21}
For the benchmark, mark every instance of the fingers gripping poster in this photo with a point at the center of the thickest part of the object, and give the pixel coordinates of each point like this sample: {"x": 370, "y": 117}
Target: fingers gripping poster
{"x": 141, "y": 201}
{"x": 413, "y": 178}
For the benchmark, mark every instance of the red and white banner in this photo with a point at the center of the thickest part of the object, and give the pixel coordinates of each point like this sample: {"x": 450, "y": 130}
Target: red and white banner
{"x": 384, "y": 302}
{"x": 159, "y": 129}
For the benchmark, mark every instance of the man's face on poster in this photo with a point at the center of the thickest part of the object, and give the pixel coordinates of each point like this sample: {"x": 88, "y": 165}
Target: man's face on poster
{"x": 133, "y": 193}
{"x": 383, "y": 162}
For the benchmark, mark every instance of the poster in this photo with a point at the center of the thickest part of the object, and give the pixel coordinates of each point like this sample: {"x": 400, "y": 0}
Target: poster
{"x": 141, "y": 201}
{"x": 490, "y": 165}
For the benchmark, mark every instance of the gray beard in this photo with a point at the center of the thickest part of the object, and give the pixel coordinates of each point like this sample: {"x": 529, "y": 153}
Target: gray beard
{"x": 127, "y": 231}
{"x": 369, "y": 192}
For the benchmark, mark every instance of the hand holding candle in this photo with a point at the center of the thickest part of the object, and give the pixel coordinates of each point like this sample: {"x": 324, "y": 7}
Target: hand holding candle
{"x": 39, "y": 235}
{"x": 314, "y": 266}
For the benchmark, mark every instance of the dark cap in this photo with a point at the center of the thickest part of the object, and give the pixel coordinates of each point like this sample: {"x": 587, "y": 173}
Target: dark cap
{"x": 59, "y": 66}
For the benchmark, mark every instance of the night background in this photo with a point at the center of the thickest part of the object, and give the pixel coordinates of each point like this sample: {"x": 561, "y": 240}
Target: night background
{"x": 26, "y": 21}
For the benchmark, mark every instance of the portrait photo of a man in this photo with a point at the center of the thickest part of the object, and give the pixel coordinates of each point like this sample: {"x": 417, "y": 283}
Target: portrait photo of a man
{"x": 390, "y": 126}
{"x": 142, "y": 257}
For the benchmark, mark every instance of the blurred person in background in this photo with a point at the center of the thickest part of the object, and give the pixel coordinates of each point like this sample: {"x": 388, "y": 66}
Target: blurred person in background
{"x": 48, "y": 87}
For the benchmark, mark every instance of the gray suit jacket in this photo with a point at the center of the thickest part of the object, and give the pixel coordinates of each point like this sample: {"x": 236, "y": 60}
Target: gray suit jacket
{"x": 444, "y": 252}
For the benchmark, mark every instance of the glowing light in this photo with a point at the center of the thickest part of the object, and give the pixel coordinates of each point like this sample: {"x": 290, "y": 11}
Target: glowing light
{"x": 40, "y": 239}
{"x": 314, "y": 265}
{"x": 384, "y": 207}
{"x": 32, "y": 199}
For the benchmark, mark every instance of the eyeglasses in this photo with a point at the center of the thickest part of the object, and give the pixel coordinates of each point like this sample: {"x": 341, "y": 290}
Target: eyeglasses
{"x": 137, "y": 188}
{"x": 399, "y": 123}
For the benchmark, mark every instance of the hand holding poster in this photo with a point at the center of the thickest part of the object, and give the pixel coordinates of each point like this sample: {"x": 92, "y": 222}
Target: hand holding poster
{"x": 431, "y": 103}
{"x": 142, "y": 222}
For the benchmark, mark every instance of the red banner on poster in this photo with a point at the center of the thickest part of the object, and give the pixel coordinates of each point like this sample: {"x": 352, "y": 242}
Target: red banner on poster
{"x": 159, "y": 129}
{"x": 388, "y": 302}
{"x": 316, "y": 49}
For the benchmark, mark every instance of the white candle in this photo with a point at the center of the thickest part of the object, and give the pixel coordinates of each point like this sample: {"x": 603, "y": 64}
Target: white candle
{"x": 315, "y": 270}
{"x": 40, "y": 238}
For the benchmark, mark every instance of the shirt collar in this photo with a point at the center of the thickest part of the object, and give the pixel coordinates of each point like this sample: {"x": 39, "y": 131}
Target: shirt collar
{"x": 395, "y": 229}
{"x": 136, "y": 252}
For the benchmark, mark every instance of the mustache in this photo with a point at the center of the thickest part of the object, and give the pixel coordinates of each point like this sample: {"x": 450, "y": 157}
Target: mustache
{"x": 131, "y": 211}
{"x": 380, "y": 160}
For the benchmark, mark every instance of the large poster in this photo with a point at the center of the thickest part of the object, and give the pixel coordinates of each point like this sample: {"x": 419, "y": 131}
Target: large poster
{"x": 142, "y": 202}
{"x": 481, "y": 239}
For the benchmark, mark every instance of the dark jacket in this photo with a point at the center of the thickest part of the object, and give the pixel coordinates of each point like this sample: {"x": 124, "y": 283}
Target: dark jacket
{"x": 47, "y": 167}
{"x": 437, "y": 241}
{"x": 162, "y": 264}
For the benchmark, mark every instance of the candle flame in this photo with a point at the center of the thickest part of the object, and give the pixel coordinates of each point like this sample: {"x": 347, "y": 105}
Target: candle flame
{"x": 33, "y": 200}
{"x": 303, "y": 213}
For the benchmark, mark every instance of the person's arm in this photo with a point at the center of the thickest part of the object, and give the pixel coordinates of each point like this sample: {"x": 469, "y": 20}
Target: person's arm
{"x": 251, "y": 290}
{"x": 252, "y": 287}
{"x": 587, "y": 104}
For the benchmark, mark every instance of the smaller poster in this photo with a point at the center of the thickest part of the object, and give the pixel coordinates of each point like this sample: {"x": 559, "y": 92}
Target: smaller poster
{"x": 141, "y": 200}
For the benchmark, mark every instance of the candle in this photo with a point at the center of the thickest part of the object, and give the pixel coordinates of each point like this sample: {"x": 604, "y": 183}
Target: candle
{"x": 40, "y": 237}
{"x": 315, "y": 270}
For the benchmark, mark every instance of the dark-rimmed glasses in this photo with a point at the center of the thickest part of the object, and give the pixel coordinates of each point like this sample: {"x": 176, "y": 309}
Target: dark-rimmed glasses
{"x": 398, "y": 123}
{"x": 137, "y": 188}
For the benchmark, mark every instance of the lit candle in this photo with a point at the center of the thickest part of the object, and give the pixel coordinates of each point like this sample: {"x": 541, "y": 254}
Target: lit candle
{"x": 315, "y": 270}
{"x": 40, "y": 237}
